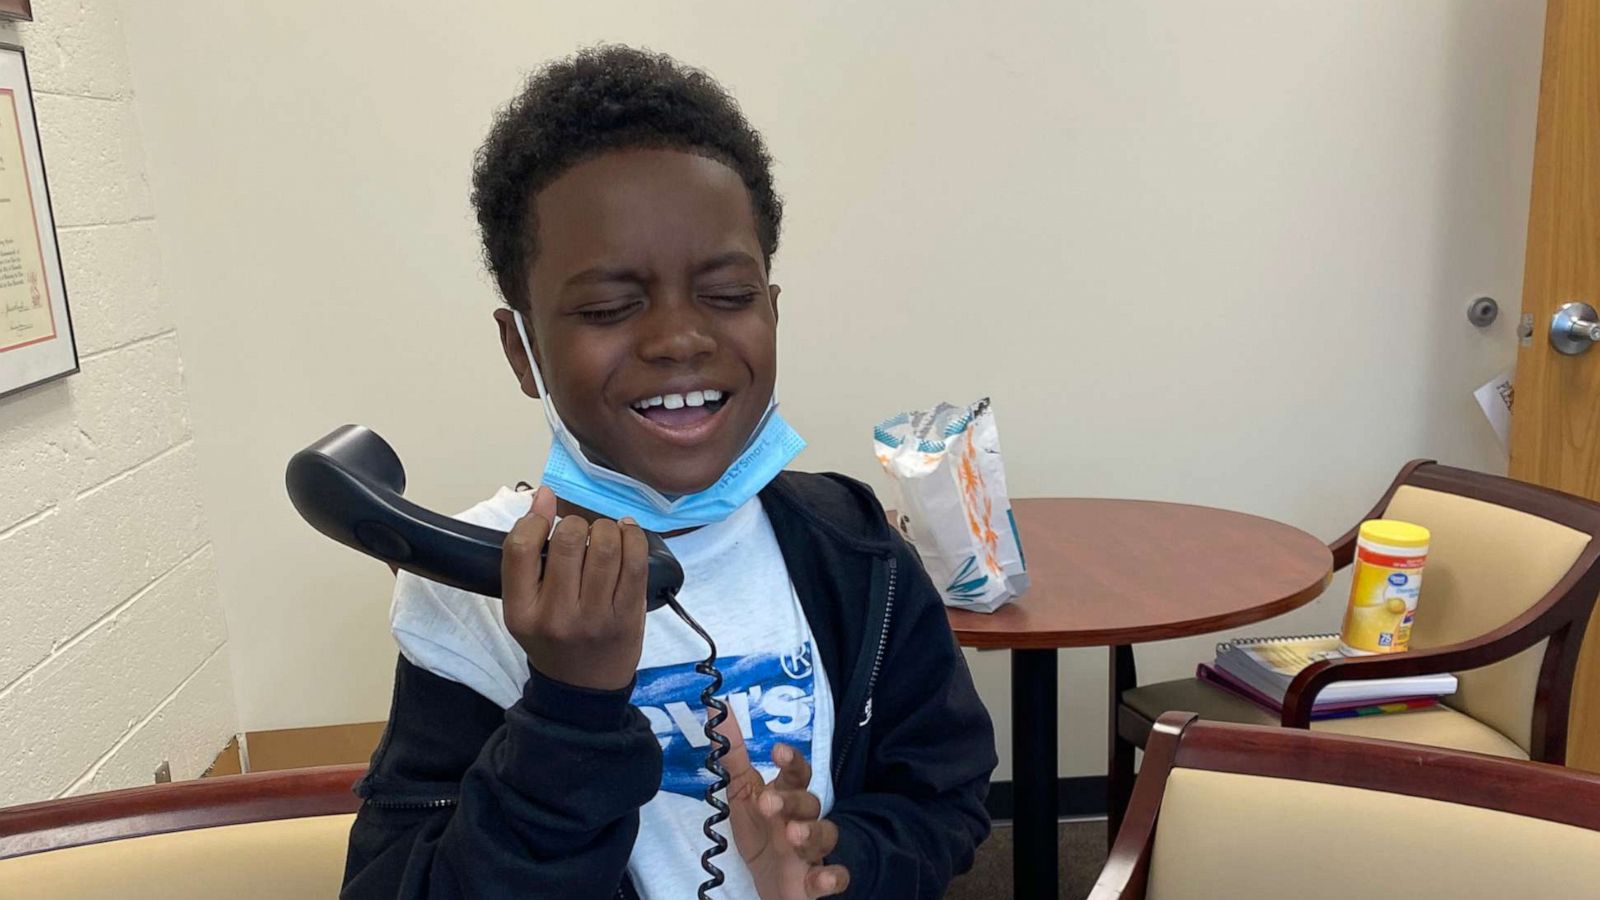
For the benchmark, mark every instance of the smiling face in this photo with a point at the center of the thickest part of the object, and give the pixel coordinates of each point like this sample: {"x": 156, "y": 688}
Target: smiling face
{"x": 652, "y": 319}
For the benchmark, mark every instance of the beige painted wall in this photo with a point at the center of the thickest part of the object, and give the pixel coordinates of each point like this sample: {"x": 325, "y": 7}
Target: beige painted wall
{"x": 1214, "y": 252}
{"x": 113, "y": 649}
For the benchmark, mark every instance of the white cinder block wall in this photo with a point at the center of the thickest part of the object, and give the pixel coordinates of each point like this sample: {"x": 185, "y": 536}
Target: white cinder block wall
{"x": 113, "y": 651}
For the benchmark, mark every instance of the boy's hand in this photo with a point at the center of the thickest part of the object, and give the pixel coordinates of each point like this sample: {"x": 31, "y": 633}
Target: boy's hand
{"x": 777, "y": 827}
{"x": 580, "y": 615}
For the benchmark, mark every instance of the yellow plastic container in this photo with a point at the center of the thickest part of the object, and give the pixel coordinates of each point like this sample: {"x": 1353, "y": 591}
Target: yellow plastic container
{"x": 1390, "y": 556}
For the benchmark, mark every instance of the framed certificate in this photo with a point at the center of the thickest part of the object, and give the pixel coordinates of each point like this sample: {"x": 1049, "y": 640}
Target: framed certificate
{"x": 36, "y": 342}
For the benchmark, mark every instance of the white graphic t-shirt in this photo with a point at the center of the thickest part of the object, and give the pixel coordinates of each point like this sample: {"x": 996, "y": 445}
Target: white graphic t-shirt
{"x": 737, "y": 587}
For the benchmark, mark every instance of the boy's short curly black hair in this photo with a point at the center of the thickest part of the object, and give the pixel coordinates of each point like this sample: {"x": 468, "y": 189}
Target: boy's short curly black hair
{"x": 605, "y": 98}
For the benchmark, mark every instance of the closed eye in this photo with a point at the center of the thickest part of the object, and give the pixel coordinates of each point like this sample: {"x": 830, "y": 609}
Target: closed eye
{"x": 733, "y": 300}
{"x": 606, "y": 314}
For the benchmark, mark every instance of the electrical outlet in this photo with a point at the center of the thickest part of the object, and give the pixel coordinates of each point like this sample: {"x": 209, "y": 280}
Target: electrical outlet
{"x": 163, "y": 772}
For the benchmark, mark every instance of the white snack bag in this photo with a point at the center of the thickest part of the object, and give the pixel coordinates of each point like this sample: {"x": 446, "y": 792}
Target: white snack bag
{"x": 950, "y": 496}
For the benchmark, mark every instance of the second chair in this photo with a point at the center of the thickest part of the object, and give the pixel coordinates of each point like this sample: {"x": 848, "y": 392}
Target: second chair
{"x": 1512, "y": 575}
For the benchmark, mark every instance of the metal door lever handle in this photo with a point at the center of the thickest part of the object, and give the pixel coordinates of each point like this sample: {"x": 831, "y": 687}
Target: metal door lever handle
{"x": 1574, "y": 328}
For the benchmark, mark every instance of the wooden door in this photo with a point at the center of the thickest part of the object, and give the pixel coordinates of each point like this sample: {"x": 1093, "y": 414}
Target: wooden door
{"x": 1555, "y": 434}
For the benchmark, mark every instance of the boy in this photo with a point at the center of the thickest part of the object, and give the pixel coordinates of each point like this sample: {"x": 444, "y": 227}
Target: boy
{"x": 550, "y": 744}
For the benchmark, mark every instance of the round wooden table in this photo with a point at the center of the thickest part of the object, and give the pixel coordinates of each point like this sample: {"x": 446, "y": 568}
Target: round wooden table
{"x": 1112, "y": 573}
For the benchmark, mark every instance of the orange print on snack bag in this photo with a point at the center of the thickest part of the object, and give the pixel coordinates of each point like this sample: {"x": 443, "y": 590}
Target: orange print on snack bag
{"x": 972, "y": 490}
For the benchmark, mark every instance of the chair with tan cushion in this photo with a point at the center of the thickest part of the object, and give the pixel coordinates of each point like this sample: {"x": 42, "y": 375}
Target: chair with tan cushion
{"x": 271, "y": 835}
{"x": 1262, "y": 813}
{"x": 1512, "y": 575}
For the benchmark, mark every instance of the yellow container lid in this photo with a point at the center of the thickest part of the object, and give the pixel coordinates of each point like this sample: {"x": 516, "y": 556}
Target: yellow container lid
{"x": 1394, "y": 533}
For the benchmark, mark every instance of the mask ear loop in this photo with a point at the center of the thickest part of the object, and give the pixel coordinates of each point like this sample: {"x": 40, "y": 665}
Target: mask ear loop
{"x": 527, "y": 348}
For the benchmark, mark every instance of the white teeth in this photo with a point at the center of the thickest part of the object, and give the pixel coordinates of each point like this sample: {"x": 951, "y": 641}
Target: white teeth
{"x": 679, "y": 401}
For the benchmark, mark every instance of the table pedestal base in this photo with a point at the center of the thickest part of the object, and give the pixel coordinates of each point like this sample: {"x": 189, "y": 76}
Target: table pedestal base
{"x": 1035, "y": 831}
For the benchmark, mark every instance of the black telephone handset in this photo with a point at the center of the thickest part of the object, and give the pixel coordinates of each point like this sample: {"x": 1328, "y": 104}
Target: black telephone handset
{"x": 348, "y": 485}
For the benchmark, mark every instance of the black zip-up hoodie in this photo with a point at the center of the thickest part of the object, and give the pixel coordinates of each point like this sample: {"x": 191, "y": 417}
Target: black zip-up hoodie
{"x": 466, "y": 800}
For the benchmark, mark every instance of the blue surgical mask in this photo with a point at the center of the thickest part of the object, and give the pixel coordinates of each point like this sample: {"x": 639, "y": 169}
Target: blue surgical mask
{"x": 578, "y": 479}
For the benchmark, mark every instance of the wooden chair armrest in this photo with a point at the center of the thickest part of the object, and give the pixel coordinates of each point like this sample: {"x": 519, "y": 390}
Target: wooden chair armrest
{"x": 1344, "y": 549}
{"x": 1566, "y": 605}
{"x": 1471, "y": 654}
{"x": 179, "y": 806}
{"x": 1128, "y": 864}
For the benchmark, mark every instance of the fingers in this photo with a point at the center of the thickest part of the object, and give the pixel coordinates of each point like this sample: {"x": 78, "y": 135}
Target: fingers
{"x": 738, "y": 755}
{"x": 563, "y": 565}
{"x": 544, "y": 504}
{"x": 787, "y": 795}
{"x": 790, "y": 804}
{"x": 602, "y": 561}
{"x": 520, "y": 566}
{"x": 794, "y": 771}
{"x": 563, "y": 612}
{"x": 744, "y": 780}
{"x": 634, "y": 574}
{"x": 812, "y": 841}
{"x": 827, "y": 881}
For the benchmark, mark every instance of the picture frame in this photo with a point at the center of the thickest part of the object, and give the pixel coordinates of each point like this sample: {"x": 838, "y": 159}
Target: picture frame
{"x": 37, "y": 343}
{"x": 16, "y": 10}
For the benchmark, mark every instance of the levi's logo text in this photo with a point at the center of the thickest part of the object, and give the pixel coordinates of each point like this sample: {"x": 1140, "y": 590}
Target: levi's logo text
{"x": 773, "y": 695}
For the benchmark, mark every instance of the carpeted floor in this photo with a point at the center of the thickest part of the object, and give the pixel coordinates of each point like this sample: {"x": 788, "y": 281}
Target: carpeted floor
{"x": 1083, "y": 852}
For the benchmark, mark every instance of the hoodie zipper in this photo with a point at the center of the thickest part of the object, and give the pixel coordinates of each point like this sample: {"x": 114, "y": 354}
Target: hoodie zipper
{"x": 440, "y": 803}
{"x": 872, "y": 676}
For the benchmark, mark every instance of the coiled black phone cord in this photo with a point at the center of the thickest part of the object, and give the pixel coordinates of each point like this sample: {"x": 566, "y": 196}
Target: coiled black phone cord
{"x": 716, "y": 714}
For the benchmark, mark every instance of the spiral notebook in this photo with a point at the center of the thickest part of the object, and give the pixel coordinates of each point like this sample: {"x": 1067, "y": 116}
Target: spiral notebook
{"x": 1322, "y": 710}
{"x": 1269, "y": 665}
